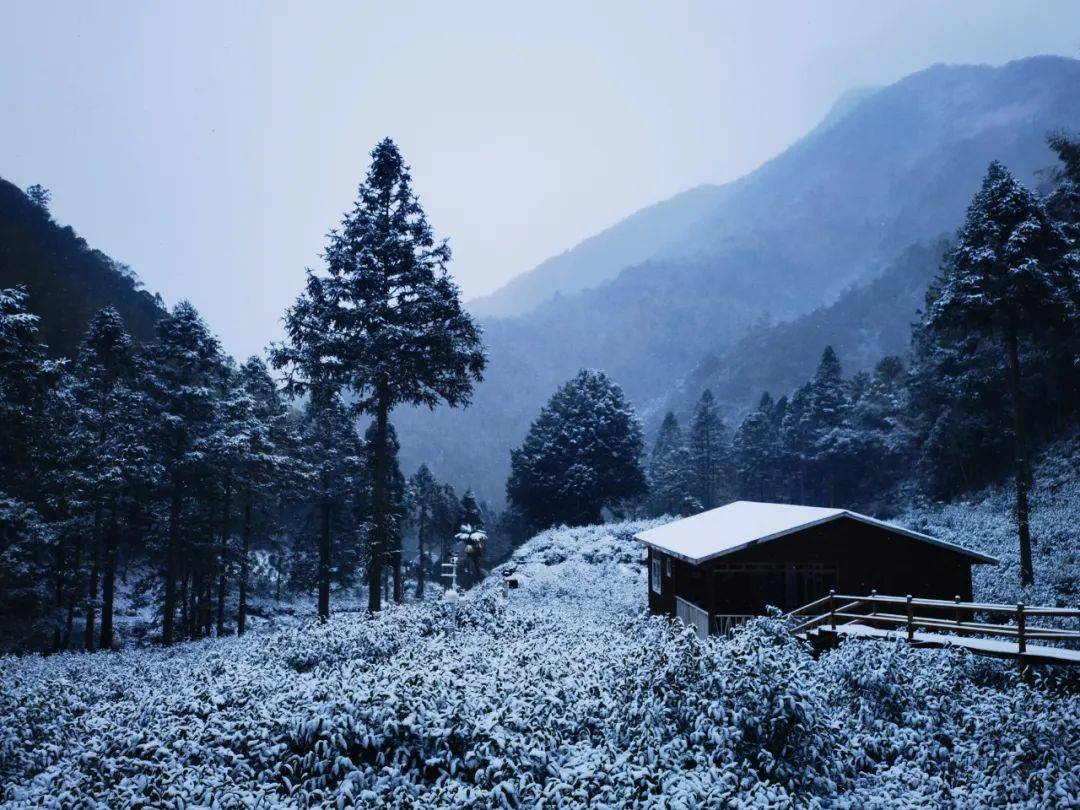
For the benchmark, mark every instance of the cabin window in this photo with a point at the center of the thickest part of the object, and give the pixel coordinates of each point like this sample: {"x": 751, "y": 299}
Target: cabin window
{"x": 656, "y": 584}
{"x": 667, "y": 567}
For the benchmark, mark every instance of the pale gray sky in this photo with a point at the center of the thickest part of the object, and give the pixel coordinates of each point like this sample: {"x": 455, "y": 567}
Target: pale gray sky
{"x": 210, "y": 145}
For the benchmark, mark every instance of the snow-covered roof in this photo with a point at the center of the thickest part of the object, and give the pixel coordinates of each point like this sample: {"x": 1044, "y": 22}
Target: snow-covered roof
{"x": 740, "y": 524}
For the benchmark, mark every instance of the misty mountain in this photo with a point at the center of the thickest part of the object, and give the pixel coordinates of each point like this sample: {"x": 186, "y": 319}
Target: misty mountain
{"x": 887, "y": 169}
{"x": 866, "y": 323}
{"x": 601, "y": 257}
{"x": 68, "y": 281}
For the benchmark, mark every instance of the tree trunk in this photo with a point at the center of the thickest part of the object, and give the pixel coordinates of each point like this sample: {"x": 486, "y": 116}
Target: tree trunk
{"x": 108, "y": 593}
{"x": 191, "y": 623}
{"x": 420, "y": 532}
{"x": 324, "y": 562}
{"x": 245, "y": 545}
{"x": 223, "y": 557}
{"x": 378, "y": 505}
{"x": 95, "y": 575}
{"x": 73, "y": 591}
{"x": 59, "y": 584}
{"x": 399, "y": 589}
{"x": 1027, "y": 574}
{"x": 169, "y": 618}
{"x": 182, "y": 600}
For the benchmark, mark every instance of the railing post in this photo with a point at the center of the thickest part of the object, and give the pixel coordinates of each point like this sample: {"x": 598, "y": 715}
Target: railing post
{"x": 956, "y": 610}
{"x": 832, "y": 609}
{"x": 873, "y": 602}
{"x": 1021, "y": 645}
{"x": 910, "y": 621}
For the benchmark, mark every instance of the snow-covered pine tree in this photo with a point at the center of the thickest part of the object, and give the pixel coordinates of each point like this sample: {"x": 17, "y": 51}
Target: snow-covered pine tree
{"x": 470, "y": 510}
{"x": 880, "y": 433}
{"x": 1063, "y": 203}
{"x": 33, "y": 571}
{"x": 1012, "y": 279}
{"x": 826, "y": 414}
{"x": 423, "y": 499}
{"x": 385, "y": 321}
{"x": 113, "y": 455}
{"x": 755, "y": 450}
{"x": 581, "y": 454}
{"x": 330, "y": 459}
{"x": 25, "y": 375}
{"x": 709, "y": 451}
{"x": 670, "y": 472}
{"x": 184, "y": 372}
{"x": 262, "y": 465}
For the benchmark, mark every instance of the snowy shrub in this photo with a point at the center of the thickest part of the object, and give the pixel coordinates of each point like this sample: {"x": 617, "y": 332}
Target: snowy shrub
{"x": 565, "y": 694}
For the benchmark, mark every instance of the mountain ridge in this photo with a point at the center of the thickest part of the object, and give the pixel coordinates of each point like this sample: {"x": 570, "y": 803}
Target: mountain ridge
{"x": 833, "y": 211}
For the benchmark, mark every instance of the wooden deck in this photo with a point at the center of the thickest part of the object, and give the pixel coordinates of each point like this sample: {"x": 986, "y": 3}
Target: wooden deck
{"x": 941, "y": 623}
{"x": 1032, "y": 654}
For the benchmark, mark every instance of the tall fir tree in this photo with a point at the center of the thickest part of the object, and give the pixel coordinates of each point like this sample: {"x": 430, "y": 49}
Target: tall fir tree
{"x": 471, "y": 514}
{"x": 262, "y": 464}
{"x": 385, "y": 322}
{"x": 184, "y": 371}
{"x": 423, "y": 499}
{"x": 115, "y": 455}
{"x": 671, "y": 477}
{"x": 1011, "y": 279}
{"x": 755, "y": 451}
{"x": 331, "y": 455}
{"x": 709, "y": 451}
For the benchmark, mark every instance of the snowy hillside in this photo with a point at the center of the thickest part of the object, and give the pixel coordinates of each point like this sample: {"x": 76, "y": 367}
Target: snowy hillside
{"x": 565, "y": 694}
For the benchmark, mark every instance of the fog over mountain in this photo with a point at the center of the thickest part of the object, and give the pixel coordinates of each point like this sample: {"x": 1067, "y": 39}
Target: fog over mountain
{"x": 660, "y": 299}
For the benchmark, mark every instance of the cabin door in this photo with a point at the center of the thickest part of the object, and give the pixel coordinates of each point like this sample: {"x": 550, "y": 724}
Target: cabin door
{"x": 805, "y": 583}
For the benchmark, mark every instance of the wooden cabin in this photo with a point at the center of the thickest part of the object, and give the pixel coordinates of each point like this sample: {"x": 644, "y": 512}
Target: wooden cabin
{"x": 718, "y": 568}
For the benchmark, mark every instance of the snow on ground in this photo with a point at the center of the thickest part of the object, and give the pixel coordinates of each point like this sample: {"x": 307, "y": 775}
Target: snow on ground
{"x": 563, "y": 695}
{"x": 985, "y": 521}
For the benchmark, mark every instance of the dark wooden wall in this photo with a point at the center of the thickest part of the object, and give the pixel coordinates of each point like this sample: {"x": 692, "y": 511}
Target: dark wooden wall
{"x": 844, "y": 554}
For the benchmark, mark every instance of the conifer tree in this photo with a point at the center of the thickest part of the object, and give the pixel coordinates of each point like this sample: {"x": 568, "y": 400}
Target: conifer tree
{"x": 671, "y": 478}
{"x": 1010, "y": 279}
{"x": 471, "y": 513}
{"x": 1063, "y": 203}
{"x": 30, "y": 547}
{"x": 115, "y": 456}
{"x": 331, "y": 457}
{"x": 384, "y": 322}
{"x": 581, "y": 454}
{"x": 424, "y": 496}
{"x": 708, "y": 451}
{"x": 185, "y": 368}
{"x": 262, "y": 460}
{"x": 755, "y": 450}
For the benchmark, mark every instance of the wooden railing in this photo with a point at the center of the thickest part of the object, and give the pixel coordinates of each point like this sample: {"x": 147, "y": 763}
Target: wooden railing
{"x": 704, "y": 622}
{"x": 724, "y": 623}
{"x": 908, "y": 614}
{"x": 692, "y": 616}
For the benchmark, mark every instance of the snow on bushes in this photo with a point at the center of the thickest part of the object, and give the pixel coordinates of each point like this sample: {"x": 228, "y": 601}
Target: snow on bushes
{"x": 985, "y": 521}
{"x": 563, "y": 695}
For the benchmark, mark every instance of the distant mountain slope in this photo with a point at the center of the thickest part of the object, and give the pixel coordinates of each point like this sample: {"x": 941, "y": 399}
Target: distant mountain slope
{"x": 864, "y": 324}
{"x": 833, "y": 211}
{"x": 601, "y": 257}
{"x": 68, "y": 280}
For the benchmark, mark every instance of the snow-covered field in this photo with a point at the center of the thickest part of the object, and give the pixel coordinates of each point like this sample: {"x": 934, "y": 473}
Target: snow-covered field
{"x": 565, "y": 694}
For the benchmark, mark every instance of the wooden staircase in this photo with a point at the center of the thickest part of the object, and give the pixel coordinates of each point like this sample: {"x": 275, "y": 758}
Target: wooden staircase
{"x": 941, "y": 623}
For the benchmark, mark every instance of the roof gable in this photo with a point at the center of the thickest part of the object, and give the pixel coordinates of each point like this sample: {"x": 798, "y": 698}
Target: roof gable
{"x": 741, "y": 524}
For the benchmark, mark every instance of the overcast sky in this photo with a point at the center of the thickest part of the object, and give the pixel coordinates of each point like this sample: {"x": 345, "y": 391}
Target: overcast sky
{"x": 212, "y": 145}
